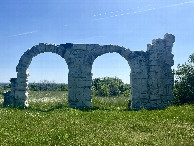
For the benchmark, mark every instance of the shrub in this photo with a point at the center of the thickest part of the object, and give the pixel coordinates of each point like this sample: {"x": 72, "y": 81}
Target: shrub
{"x": 1, "y": 90}
{"x": 110, "y": 87}
{"x": 103, "y": 90}
{"x": 184, "y": 82}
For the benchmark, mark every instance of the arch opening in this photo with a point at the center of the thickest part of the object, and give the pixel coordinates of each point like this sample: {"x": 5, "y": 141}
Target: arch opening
{"x": 19, "y": 93}
{"x": 111, "y": 81}
{"x": 48, "y": 81}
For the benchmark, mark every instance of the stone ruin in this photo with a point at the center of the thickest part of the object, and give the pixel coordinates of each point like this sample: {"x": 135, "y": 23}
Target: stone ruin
{"x": 151, "y": 75}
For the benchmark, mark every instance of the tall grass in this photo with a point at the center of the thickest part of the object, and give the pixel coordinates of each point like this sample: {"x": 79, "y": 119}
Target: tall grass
{"x": 49, "y": 121}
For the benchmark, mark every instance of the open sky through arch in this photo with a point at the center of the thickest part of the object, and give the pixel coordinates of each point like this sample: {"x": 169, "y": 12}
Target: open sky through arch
{"x": 129, "y": 23}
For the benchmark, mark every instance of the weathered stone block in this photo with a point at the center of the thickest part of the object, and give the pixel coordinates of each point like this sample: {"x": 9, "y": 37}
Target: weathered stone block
{"x": 51, "y": 48}
{"x": 79, "y": 46}
{"x": 21, "y": 95}
{"x": 21, "y": 103}
{"x": 41, "y": 47}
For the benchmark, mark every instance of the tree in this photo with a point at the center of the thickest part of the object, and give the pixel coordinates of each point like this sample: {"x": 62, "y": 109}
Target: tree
{"x": 103, "y": 90}
{"x": 33, "y": 87}
{"x": 109, "y": 86}
{"x": 46, "y": 85}
{"x": 184, "y": 82}
{"x": 63, "y": 87}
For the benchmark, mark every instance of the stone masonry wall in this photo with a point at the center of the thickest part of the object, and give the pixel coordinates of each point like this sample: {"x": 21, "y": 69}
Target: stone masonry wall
{"x": 151, "y": 75}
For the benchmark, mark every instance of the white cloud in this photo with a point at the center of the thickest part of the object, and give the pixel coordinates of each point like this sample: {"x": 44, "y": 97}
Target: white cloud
{"x": 25, "y": 33}
{"x": 136, "y": 10}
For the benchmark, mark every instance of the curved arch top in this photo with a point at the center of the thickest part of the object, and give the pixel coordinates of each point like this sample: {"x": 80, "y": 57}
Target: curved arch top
{"x": 26, "y": 58}
{"x": 151, "y": 75}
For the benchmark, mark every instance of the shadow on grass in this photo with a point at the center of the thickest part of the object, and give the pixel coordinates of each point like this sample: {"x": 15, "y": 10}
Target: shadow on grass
{"x": 60, "y": 106}
{"x": 94, "y": 108}
{"x": 39, "y": 109}
{"x": 65, "y": 107}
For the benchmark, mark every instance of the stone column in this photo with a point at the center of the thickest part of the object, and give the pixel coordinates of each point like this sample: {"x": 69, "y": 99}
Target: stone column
{"x": 79, "y": 62}
{"x": 21, "y": 92}
{"x": 139, "y": 80}
{"x": 9, "y": 97}
{"x": 161, "y": 78}
{"x": 79, "y": 85}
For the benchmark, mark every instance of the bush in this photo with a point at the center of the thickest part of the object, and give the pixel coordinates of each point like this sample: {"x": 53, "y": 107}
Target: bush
{"x": 184, "y": 82}
{"x": 1, "y": 90}
{"x": 110, "y": 87}
{"x": 103, "y": 90}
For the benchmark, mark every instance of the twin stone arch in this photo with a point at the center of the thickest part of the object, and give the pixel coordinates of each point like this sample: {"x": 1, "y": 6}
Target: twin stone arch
{"x": 79, "y": 58}
{"x": 151, "y": 75}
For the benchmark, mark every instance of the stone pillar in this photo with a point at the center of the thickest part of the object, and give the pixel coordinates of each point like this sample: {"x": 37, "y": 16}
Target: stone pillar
{"x": 79, "y": 62}
{"x": 139, "y": 80}
{"x": 9, "y": 97}
{"x": 79, "y": 85}
{"x": 161, "y": 78}
{"x": 21, "y": 92}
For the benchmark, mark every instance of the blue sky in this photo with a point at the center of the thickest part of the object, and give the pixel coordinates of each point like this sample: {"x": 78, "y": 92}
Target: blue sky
{"x": 129, "y": 23}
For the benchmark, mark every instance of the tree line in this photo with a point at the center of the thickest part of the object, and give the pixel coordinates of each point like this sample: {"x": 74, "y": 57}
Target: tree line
{"x": 107, "y": 86}
{"x": 46, "y": 85}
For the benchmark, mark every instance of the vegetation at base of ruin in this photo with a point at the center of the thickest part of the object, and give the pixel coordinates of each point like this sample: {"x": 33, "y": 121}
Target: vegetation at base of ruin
{"x": 48, "y": 121}
{"x": 4, "y": 87}
{"x": 184, "y": 82}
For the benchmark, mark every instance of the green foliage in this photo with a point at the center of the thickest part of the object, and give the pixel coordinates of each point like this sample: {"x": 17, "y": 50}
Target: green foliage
{"x": 103, "y": 90}
{"x": 184, "y": 82}
{"x": 34, "y": 87}
{"x": 48, "y": 86}
{"x": 110, "y": 87}
{"x": 100, "y": 87}
{"x": 4, "y": 87}
{"x": 63, "y": 87}
{"x": 7, "y": 87}
{"x": 1, "y": 90}
{"x": 126, "y": 93}
{"x": 49, "y": 121}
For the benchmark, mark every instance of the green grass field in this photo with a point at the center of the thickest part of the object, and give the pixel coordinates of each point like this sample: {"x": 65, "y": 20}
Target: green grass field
{"x": 49, "y": 121}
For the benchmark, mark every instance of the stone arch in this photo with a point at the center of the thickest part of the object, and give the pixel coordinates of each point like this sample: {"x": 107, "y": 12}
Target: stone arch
{"x": 137, "y": 61}
{"x": 113, "y": 59}
{"x": 21, "y": 89}
{"x": 122, "y": 53}
{"x": 101, "y": 50}
{"x": 151, "y": 74}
